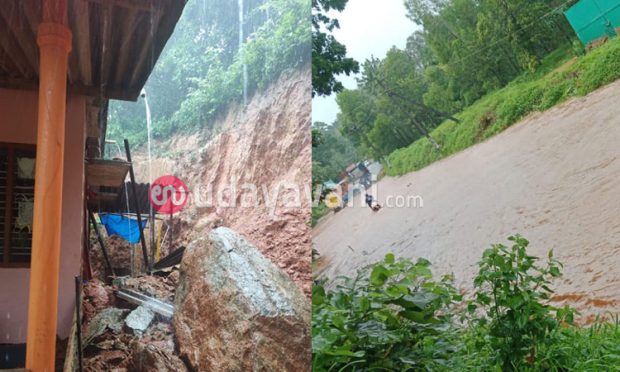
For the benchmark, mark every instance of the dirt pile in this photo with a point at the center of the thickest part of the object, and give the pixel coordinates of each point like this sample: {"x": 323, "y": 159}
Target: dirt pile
{"x": 110, "y": 342}
{"x": 252, "y": 176}
{"x": 236, "y": 311}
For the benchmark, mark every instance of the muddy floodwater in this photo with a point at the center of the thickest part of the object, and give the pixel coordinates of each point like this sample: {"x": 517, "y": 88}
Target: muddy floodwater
{"x": 553, "y": 177}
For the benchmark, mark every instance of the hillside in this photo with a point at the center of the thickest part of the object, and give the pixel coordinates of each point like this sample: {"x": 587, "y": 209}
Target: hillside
{"x": 266, "y": 145}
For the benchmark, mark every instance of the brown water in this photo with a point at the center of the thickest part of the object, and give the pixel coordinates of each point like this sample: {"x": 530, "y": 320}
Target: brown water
{"x": 554, "y": 178}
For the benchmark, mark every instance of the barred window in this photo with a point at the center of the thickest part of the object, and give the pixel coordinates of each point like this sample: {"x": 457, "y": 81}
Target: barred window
{"x": 17, "y": 164}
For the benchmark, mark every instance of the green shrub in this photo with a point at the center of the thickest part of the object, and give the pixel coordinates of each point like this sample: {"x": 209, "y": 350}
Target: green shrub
{"x": 513, "y": 292}
{"x": 318, "y": 212}
{"x": 391, "y": 316}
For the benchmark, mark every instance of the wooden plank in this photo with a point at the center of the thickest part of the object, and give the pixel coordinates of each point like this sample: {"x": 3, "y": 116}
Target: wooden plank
{"x": 14, "y": 51}
{"x": 107, "y": 46}
{"x": 147, "y": 54}
{"x": 142, "y": 5}
{"x": 21, "y": 30}
{"x": 91, "y": 217}
{"x": 163, "y": 27}
{"x": 129, "y": 27}
{"x": 9, "y": 82}
{"x": 80, "y": 23}
{"x": 110, "y": 173}
{"x": 71, "y": 353}
{"x": 132, "y": 178}
{"x": 78, "y": 320}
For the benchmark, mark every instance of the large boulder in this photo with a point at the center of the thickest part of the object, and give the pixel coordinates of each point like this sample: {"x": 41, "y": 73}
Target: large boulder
{"x": 236, "y": 311}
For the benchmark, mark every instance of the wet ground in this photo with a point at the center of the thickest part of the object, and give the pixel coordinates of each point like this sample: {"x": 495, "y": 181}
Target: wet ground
{"x": 554, "y": 178}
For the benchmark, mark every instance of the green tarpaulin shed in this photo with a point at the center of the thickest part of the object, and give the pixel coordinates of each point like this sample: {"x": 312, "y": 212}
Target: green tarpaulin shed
{"x": 592, "y": 19}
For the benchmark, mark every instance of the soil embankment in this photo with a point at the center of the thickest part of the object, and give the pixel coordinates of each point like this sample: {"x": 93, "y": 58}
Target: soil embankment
{"x": 266, "y": 146}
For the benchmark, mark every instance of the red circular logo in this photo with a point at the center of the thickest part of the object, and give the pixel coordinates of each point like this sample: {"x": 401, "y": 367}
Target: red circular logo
{"x": 168, "y": 194}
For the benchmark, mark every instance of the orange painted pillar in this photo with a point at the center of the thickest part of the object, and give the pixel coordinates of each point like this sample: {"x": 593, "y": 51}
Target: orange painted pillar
{"x": 54, "y": 39}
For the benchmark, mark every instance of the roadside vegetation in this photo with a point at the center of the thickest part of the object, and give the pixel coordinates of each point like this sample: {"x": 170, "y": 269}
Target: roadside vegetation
{"x": 559, "y": 77}
{"x": 394, "y": 315}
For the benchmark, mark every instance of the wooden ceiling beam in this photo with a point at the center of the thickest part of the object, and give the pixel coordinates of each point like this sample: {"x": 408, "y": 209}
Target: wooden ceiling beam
{"x": 132, "y": 45}
{"x": 14, "y": 52}
{"x": 55, "y": 11}
{"x": 164, "y": 27}
{"x": 81, "y": 35}
{"x": 141, "y": 5}
{"x": 132, "y": 21}
{"x": 26, "y": 39}
{"x": 146, "y": 54}
{"x": 107, "y": 59}
{"x": 32, "y": 11}
{"x": 8, "y": 82}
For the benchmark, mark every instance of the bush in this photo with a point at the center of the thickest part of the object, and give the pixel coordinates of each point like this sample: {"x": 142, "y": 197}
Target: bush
{"x": 390, "y": 316}
{"x": 513, "y": 292}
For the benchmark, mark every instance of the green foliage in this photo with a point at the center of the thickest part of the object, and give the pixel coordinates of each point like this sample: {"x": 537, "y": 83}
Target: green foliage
{"x": 391, "y": 316}
{"x": 332, "y": 153}
{"x": 387, "y": 112}
{"x": 464, "y": 50}
{"x": 200, "y": 72}
{"x": 328, "y": 55}
{"x": 482, "y": 45}
{"x": 554, "y": 81}
{"x": 594, "y": 348}
{"x": 578, "y": 48}
{"x": 513, "y": 290}
{"x": 318, "y": 212}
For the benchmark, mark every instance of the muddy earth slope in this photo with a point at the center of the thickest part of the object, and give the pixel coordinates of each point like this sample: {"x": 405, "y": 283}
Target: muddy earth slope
{"x": 267, "y": 146}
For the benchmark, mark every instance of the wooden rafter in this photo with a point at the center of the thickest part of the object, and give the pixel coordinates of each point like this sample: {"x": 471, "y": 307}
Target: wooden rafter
{"x": 106, "y": 56}
{"x": 134, "y": 36}
{"x": 129, "y": 27}
{"x": 146, "y": 54}
{"x": 81, "y": 35}
{"x": 14, "y": 52}
{"x": 22, "y": 34}
{"x": 142, "y": 5}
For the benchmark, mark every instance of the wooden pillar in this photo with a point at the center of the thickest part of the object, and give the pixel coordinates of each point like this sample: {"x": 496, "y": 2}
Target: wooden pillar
{"x": 54, "y": 40}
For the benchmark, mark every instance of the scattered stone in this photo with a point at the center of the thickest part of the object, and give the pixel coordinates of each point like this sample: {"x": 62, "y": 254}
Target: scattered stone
{"x": 110, "y": 318}
{"x": 151, "y": 358}
{"x": 97, "y": 296}
{"x": 139, "y": 319}
{"x": 236, "y": 311}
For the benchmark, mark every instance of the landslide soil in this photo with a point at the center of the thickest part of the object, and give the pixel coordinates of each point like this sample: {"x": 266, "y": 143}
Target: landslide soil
{"x": 266, "y": 144}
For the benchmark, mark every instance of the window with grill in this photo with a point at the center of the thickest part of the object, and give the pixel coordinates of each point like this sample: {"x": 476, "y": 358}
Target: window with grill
{"x": 16, "y": 203}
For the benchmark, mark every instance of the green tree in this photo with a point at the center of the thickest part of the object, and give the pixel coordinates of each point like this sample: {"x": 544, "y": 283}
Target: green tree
{"x": 332, "y": 153}
{"x": 199, "y": 73}
{"x": 328, "y": 55}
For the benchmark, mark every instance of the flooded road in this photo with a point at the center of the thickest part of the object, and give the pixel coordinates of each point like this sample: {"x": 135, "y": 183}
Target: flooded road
{"x": 553, "y": 177}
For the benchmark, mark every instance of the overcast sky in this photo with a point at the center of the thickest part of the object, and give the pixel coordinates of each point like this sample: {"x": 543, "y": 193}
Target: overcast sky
{"x": 367, "y": 27}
